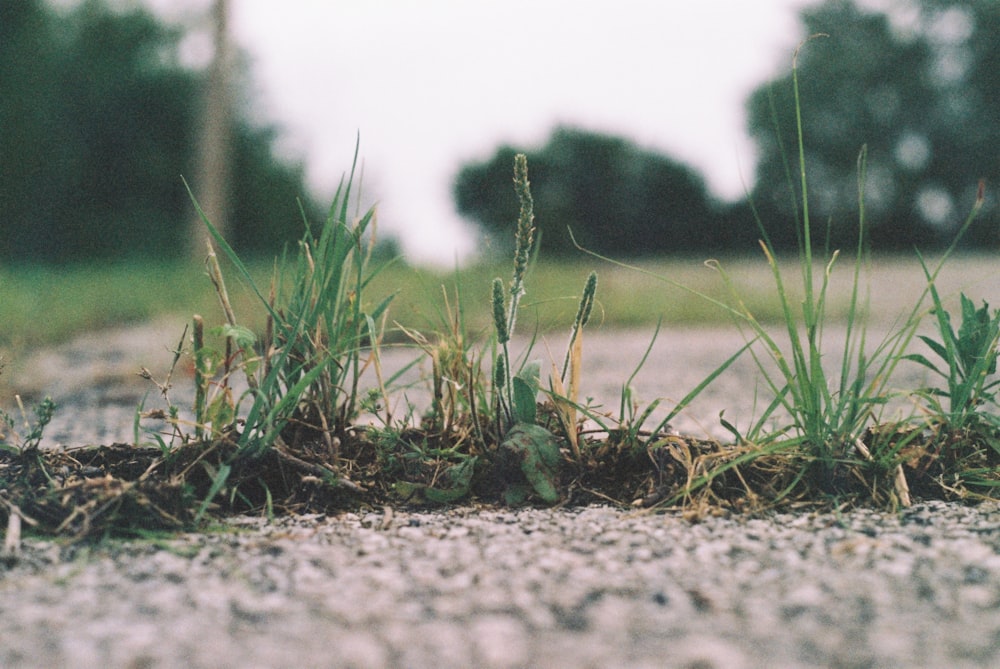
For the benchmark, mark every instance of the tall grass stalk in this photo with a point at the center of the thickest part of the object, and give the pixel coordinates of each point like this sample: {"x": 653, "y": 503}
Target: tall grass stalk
{"x": 505, "y": 306}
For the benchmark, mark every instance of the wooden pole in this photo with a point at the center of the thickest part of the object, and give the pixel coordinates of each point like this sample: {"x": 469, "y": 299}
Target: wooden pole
{"x": 213, "y": 170}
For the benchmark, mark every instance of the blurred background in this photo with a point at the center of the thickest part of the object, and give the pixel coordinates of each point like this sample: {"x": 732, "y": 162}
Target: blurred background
{"x": 650, "y": 127}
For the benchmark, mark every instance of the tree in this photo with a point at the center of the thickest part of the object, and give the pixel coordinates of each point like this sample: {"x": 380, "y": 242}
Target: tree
{"x": 616, "y": 197}
{"x": 966, "y": 70}
{"x": 923, "y": 99}
{"x": 99, "y": 122}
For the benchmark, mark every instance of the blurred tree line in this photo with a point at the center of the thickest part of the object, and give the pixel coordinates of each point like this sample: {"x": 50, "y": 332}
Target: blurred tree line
{"x": 98, "y": 121}
{"x": 920, "y": 87}
{"x": 616, "y": 197}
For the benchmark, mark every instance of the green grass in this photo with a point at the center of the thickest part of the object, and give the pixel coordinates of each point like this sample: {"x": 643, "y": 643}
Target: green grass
{"x": 43, "y": 306}
{"x": 824, "y": 403}
{"x": 48, "y": 305}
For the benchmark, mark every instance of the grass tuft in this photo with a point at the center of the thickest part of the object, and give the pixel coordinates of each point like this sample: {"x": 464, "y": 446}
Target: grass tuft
{"x": 282, "y": 423}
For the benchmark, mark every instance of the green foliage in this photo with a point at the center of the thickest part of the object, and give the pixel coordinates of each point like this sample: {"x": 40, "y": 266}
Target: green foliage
{"x": 525, "y": 397}
{"x": 826, "y": 411}
{"x": 526, "y": 445}
{"x": 921, "y": 98}
{"x": 536, "y": 452}
{"x": 831, "y": 414}
{"x": 99, "y": 120}
{"x": 457, "y": 485}
{"x": 516, "y": 389}
{"x": 970, "y": 360}
{"x": 32, "y": 438}
{"x": 304, "y": 377}
{"x": 921, "y": 90}
{"x": 616, "y": 197}
{"x": 284, "y": 435}
{"x": 316, "y": 327}
{"x": 301, "y": 399}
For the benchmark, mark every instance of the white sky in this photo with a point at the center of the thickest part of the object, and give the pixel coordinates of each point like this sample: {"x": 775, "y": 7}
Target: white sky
{"x": 431, "y": 84}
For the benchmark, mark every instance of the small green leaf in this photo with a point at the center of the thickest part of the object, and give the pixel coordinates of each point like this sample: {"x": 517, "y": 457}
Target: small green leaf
{"x": 940, "y": 349}
{"x": 241, "y": 336}
{"x": 922, "y": 360}
{"x": 460, "y": 476}
{"x": 526, "y": 392}
{"x": 975, "y": 336}
{"x": 537, "y": 450}
{"x": 408, "y": 491}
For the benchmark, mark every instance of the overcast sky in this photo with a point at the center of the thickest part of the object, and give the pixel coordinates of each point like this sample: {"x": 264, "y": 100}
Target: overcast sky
{"x": 432, "y": 84}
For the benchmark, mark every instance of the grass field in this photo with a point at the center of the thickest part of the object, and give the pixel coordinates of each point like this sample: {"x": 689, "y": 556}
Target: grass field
{"x": 45, "y": 305}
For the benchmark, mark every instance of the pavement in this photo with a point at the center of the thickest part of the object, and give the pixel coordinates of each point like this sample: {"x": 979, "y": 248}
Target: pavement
{"x": 592, "y": 587}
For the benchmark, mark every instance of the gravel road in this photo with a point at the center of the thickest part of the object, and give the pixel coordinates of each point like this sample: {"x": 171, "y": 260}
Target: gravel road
{"x": 594, "y": 587}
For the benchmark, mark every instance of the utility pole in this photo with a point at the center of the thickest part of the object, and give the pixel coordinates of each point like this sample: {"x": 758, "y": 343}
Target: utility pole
{"x": 211, "y": 186}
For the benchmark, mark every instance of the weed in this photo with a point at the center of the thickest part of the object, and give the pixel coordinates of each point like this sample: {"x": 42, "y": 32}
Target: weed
{"x": 970, "y": 360}
{"x": 302, "y": 376}
{"x": 525, "y": 445}
{"x": 458, "y": 387}
{"x": 828, "y": 413}
{"x": 964, "y": 440}
{"x": 565, "y": 386}
{"x": 275, "y": 416}
{"x": 30, "y": 441}
{"x": 821, "y": 416}
{"x": 515, "y": 390}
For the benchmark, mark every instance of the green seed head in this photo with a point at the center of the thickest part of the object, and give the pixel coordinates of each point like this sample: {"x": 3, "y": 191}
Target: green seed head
{"x": 499, "y": 312}
{"x": 587, "y": 301}
{"x": 500, "y": 373}
{"x": 526, "y": 218}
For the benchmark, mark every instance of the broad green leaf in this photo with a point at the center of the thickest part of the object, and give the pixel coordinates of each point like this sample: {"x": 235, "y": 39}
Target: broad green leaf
{"x": 459, "y": 476}
{"x": 526, "y": 392}
{"x": 537, "y": 449}
{"x": 461, "y": 480}
{"x": 976, "y": 337}
{"x": 243, "y": 337}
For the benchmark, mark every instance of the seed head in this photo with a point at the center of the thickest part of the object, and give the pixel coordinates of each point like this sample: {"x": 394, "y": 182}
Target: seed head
{"x": 499, "y": 312}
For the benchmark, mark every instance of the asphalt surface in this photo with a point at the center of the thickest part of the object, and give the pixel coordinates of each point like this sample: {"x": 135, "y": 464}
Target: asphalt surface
{"x": 593, "y": 587}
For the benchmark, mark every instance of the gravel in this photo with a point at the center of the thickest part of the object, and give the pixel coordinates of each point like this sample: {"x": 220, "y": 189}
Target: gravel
{"x": 593, "y": 587}
{"x": 475, "y": 587}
